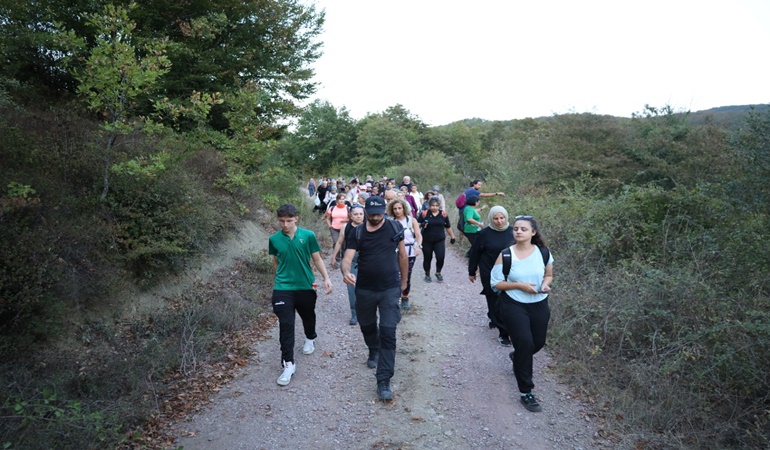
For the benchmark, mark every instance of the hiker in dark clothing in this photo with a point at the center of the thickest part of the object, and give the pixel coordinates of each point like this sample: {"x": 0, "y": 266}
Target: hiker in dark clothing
{"x": 489, "y": 242}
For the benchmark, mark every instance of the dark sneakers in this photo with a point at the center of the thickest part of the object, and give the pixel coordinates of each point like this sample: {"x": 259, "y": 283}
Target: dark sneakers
{"x": 505, "y": 341}
{"x": 405, "y": 306}
{"x": 529, "y": 402}
{"x": 427, "y": 278}
{"x": 372, "y": 361}
{"x": 439, "y": 278}
{"x": 383, "y": 390}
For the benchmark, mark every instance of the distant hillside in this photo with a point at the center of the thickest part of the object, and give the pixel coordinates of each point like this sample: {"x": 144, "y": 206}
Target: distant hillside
{"x": 727, "y": 117}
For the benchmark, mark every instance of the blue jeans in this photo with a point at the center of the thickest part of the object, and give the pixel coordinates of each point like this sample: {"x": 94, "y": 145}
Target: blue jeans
{"x": 380, "y": 338}
{"x": 352, "y": 289}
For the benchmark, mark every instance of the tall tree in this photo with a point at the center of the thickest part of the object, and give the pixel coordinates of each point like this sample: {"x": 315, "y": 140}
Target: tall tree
{"x": 114, "y": 72}
{"x": 324, "y": 138}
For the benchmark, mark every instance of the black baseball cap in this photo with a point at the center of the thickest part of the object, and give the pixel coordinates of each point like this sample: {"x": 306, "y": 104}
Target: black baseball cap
{"x": 375, "y": 205}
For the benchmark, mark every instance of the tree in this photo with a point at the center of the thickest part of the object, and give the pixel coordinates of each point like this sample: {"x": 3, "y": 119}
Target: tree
{"x": 752, "y": 146}
{"x": 324, "y": 137}
{"x": 219, "y": 46}
{"x": 113, "y": 74}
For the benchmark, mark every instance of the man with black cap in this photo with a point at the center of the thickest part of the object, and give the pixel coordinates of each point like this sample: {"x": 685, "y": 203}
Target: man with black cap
{"x": 382, "y": 276}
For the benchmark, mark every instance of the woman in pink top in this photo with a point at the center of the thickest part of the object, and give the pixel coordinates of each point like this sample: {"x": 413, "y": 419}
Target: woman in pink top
{"x": 337, "y": 217}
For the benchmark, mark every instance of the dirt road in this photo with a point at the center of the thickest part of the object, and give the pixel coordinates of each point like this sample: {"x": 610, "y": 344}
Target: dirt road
{"x": 454, "y": 387}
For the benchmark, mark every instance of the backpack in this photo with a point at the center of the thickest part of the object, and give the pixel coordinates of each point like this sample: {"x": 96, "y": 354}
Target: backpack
{"x": 506, "y": 253}
{"x": 460, "y": 201}
{"x": 397, "y": 228}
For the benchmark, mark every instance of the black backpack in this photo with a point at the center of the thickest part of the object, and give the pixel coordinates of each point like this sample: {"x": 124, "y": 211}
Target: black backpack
{"x": 506, "y": 253}
{"x": 397, "y": 229}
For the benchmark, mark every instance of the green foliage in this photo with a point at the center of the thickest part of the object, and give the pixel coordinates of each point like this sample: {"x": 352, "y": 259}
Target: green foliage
{"x": 158, "y": 222}
{"x": 752, "y": 147}
{"x": 61, "y": 422}
{"x": 324, "y": 137}
{"x": 114, "y": 73}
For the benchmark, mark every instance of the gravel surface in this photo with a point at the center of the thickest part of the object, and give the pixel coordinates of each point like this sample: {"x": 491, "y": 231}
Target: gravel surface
{"x": 453, "y": 388}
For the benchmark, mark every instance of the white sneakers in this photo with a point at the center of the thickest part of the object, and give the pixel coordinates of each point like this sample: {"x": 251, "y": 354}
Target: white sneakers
{"x": 289, "y": 368}
{"x": 309, "y": 346}
{"x": 288, "y": 371}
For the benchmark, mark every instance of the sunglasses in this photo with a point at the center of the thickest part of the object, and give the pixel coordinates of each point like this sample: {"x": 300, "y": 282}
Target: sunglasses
{"x": 523, "y": 217}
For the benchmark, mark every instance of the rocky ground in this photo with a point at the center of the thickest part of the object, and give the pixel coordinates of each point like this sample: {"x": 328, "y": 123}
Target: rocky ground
{"x": 454, "y": 387}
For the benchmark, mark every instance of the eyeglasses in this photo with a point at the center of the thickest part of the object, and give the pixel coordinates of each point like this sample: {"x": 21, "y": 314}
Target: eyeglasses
{"x": 523, "y": 217}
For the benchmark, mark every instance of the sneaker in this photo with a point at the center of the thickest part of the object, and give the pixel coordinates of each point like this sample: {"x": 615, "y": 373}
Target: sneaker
{"x": 427, "y": 278}
{"x": 372, "y": 361}
{"x": 309, "y": 346}
{"x": 383, "y": 390}
{"x": 511, "y": 356}
{"x": 529, "y": 402}
{"x": 288, "y": 371}
{"x": 405, "y": 306}
{"x": 439, "y": 278}
{"x": 491, "y": 325}
{"x": 353, "y": 320}
{"x": 505, "y": 341}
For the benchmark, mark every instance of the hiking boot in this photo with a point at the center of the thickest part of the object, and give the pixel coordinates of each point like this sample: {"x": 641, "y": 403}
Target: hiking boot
{"x": 439, "y": 278}
{"x": 405, "y": 306}
{"x": 288, "y": 371}
{"x": 309, "y": 346}
{"x": 529, "y": 402}
{"x": 427, "y": 278}
{"x": 505, "y": 341}
{"x": 372, "y": 361}
{"x": 383, "y": 390}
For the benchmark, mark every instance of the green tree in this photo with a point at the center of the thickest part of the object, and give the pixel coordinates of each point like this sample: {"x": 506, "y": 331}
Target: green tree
{"x": 324, "y": 137}
{"x": 752, "y": 146}
{"x": 114, "y": 73}
{"x": 224, "y": 45}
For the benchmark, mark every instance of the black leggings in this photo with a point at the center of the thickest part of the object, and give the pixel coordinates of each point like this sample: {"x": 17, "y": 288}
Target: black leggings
{"x": 528, "y": 326}
{"x": 428, "y": 249}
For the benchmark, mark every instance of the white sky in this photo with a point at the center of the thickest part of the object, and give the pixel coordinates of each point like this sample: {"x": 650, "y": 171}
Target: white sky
{"x": 510, "y": 59}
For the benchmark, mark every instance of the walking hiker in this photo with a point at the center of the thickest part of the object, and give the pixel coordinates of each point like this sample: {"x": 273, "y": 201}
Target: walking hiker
{"x": 523, "y": 305}
{"x": 292, "y": 249}
{"x": 382, "y": 275}
{"x": 489, "y": 242}
{"x": 356, "y": 219}
{"x": 471, "y": 221}
{"x": 398, "y": 209}
{"x": 434, "y": 222}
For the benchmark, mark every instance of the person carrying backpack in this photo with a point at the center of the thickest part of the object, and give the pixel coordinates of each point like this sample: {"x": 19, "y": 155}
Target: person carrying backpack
{"x": 523, "y": 301}
{"x": 398, "y": 209}
{"x": 383, "y": 268}
{"x": 473, "y": 189}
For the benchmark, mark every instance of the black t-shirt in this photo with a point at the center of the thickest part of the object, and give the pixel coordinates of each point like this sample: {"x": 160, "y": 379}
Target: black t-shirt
{"x": 322, "y": 190}
{"x": 378, "y": 267}
{"x": 433, "y": 226}
{"x": 489, "y": 243}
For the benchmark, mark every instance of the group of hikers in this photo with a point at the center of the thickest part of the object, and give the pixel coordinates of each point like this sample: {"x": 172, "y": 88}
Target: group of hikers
{"x": 378, "y": 231}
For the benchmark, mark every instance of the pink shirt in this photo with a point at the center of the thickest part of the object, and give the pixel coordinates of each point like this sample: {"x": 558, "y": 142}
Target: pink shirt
{"x": 339, "y": 216}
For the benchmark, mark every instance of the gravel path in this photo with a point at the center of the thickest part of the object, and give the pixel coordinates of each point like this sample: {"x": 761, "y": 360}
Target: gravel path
{"x": 454, "y": 387}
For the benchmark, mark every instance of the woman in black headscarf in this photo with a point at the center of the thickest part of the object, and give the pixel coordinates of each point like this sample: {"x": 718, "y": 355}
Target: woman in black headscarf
{"x": 489, "y": 242}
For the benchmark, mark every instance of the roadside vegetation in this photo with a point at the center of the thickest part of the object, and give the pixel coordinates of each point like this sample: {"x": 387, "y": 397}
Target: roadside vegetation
{"x": 123, "y": 160}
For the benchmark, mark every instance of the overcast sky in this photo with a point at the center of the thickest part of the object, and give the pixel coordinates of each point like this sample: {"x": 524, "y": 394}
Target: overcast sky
{"x": 509, "y": 59}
